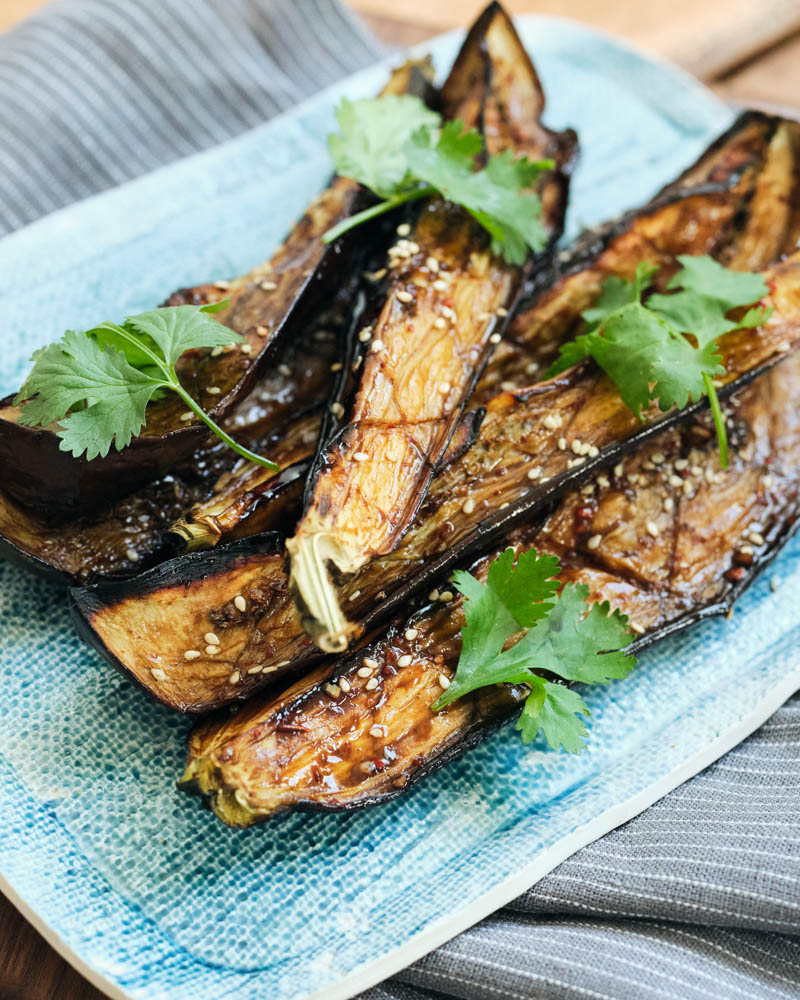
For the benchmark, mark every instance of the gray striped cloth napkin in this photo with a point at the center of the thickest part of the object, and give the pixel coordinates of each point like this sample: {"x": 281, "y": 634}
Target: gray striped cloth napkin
{"x": 697, "y": 898}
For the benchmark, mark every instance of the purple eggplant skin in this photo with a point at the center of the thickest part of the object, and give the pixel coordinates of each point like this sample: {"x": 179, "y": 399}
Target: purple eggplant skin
{"x": 359, "y": 731}
{"x": 277, "y": 297}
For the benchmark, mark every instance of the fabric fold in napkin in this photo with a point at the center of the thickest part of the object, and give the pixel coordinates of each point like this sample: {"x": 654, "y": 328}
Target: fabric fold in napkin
{"x": 696, "y": 899}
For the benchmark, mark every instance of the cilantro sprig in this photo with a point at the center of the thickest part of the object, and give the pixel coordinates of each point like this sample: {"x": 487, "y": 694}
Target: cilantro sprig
{"x": 399, "y": 149}
{"x": 97, "y": 384}
{"x": 563, "y": 636}
{"x": 644, "y": 346}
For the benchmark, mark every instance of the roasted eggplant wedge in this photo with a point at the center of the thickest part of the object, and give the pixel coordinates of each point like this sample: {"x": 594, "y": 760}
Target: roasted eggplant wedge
{"x": 517, "y": 466}
{"x": 444, "y": 309}
{"x": 667, "y": 537}
{"x": 266, "y": 307}
{"x": 532, "y": 446}
{"x": 279, "y": 417}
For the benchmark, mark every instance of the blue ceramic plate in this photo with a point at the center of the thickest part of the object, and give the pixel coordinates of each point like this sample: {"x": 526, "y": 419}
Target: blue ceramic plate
{"x": 148, "y": 895}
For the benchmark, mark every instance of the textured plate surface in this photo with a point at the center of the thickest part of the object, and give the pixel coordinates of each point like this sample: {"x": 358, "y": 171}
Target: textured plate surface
{"x": 147, "y": 894}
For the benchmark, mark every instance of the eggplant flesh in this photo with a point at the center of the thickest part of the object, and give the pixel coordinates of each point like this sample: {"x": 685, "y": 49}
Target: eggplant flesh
{"x": 447, "y": 300}
{"x": 716, "y": 217}
{"x": 515, "y": 469}
{"x": 667, "y": 537}
{"x": 277, "y": 418}
{"x": 267, "y": 307}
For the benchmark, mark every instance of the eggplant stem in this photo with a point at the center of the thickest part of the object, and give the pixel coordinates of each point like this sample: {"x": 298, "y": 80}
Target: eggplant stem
{"x": 195, "y": 535}
{"x": 310, "y": 582}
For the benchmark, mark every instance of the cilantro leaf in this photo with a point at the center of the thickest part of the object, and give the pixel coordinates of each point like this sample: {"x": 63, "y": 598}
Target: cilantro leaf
{"x": 395, "y": 146}
{"x": 97, "y": 385}
{"x": 551, "y": 708}
{"x": 708, "y": 277}
{"x": 645, "y": 347}
{"x": 370, "y": 146}
{"x": 565, "y": 636}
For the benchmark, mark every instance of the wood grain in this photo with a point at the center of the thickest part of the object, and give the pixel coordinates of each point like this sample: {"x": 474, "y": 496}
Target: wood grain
{"x": 749, "y": 50}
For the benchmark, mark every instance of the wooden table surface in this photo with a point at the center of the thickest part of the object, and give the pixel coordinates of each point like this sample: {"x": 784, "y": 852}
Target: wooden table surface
{"x": 748, "y": 51}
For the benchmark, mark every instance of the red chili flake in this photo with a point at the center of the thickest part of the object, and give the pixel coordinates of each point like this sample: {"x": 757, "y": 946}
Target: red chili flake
{"x": 735, "y": 574}
{"x": 448, "y": 301}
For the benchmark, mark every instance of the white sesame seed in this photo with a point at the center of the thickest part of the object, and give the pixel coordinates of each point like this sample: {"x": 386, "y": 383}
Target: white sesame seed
{"x": 444, "y": 388}
{"x": 767, "y": 480}
{"x": 658, "y": 458}
{"x": 223, "y": 286}
{"x": 755, "y": 538}
{"x": 240, "y": 603}
{"x": 403, "y": 229}
{"x": 587, "y": 489}
{"x": 501, "y": 311}
{"x": 344, "y": 684}
{"x": 234, "y": 677}
{"x": 440, "y": 323}
{"x": 449, "y": 313}
{"x": 403, "y": 296}
{"x": 783, "y": 346}
{"x": 603, "y": 481}
{"x": 132, "y": 555}
{"x": 256, "y": 669}
{"x": 681, "y": 463}
{"x": 440, "y": 285}
{"x": 468, "y": 506}
{"x": 377, "y": 345}
{"x": 337, "y": 366}
{"x": 246, "y": 349}
{"x": 404, "y": 660}
{"x": 669, "y": 504}
{"x": 652, "y": 529}
{"x": 216, "y": 351}
{"x": 364, "y": 672}
{"x": 365, "y": 334}
{"x": 411, "y": 634}
{"x": 592, "y": 451}
{"x": 577, "y": 446}
{"x": 535, "y": 472}
{"x": 337, "y": 410}
{"x": 562, "y": 444}
{"x": 634, "y": 479}
{"x": 413, "y": 247}
{"x": 508, "y": 386}
{"x": 531, "y": 368}
{"x": 368, "y": 661}
{"x": 747, "y": 550}
{"x": 675, "y": 481}
{"x": 360, "y": 456}
{"x": 371, "y": 684}
{"x": 286, "y": 370}
{"x": 192, "y": 654}
{"x": 446, "y": 595}
{"x": 262, "y": 331}
{"x": 618, "y": 469}
{"x": 432, "y": 264}
{"x": 495, "y": 338}
{"x": 377, "y": 732}
{"x": 594, "y": 542}
{"x": 158, "y": 673}
{"x": 636, "y": 627}
{"x": 444, "y": 681}
{"x": 268, "y": 286}
{"x": 504, "y": 505}
{"x": 213, "y": 390}
{"x": 212, "y": 650}
{"x": 355, "y": 595}
{"x": 434, "y": 595}
{"x": 333, "y": 690}
{"x": 553, "y": 421}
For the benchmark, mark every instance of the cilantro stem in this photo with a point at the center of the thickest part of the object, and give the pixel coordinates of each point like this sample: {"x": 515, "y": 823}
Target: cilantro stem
{"x": 229, "y": 441}
{"x": 374, "y": 210}
{"x": 719, "y": 420}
